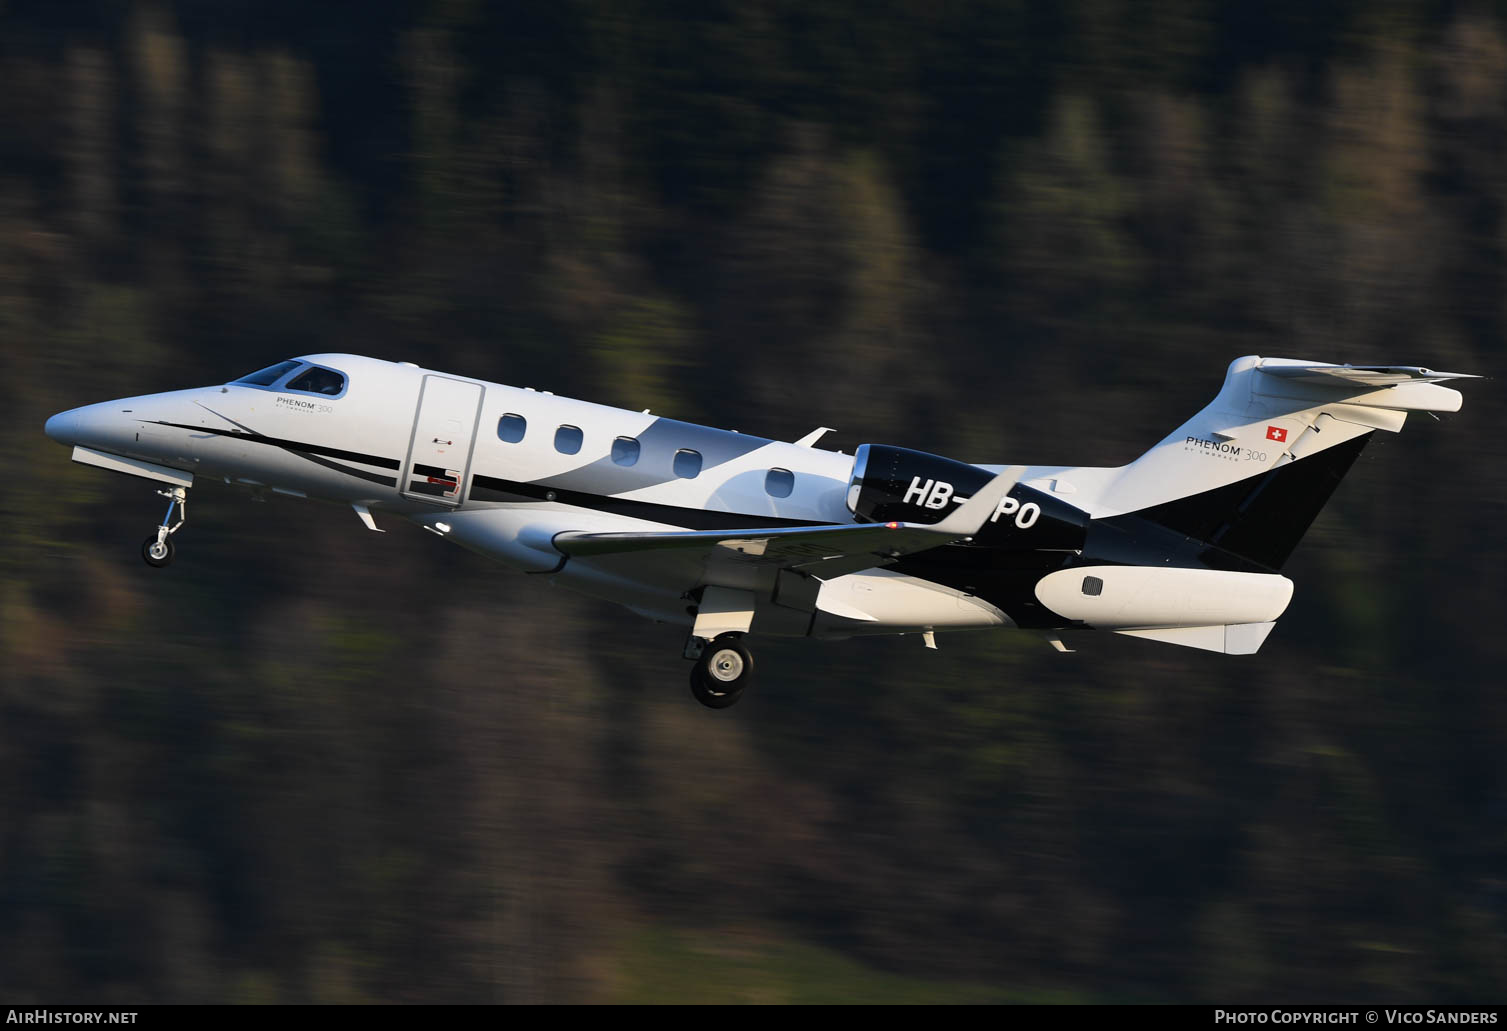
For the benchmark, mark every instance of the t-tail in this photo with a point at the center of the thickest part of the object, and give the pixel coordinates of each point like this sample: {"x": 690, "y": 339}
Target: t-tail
{"x": 1250, "y": 472}
{"x": 1239, "y": 484}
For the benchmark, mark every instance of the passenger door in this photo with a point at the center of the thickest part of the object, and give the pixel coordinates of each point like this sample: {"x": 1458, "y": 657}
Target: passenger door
{"x": 444, "y": 429}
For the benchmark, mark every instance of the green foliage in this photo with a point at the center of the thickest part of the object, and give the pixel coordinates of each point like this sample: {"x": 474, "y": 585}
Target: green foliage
{"x": 644, "y": 357}
{"x": 749, "y": 967}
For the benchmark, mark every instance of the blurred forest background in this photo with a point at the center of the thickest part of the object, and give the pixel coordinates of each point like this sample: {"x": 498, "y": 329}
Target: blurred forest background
{"x": 311, "y": 763}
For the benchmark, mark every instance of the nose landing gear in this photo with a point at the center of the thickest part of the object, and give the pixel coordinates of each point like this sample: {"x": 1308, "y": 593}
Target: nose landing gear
{"x": 157, "y": 549}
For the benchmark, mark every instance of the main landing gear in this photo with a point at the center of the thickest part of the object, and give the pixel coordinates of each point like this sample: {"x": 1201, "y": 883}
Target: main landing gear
{"x": 722, "y": 671}
{"x": 158, "y": 548}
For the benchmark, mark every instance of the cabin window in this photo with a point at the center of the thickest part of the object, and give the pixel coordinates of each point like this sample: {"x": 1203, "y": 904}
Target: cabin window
{"x": 778, "y": 483}
{"x": 318, "y": 381}
{"x": 511, "y": 428}
{"x": 568, "y": 440}
{"x": 1093, "y": 586}
{"x": 625, "y": 451}
{"x": 270, "y": 375}
{"x": 687, "y": 464}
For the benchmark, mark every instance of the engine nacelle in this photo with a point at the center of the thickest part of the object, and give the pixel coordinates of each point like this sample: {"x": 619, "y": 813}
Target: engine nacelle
{"x": 898, "y": 484}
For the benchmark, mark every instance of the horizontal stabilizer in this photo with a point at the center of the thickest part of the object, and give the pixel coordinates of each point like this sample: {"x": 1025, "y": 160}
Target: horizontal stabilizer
{"x": 1401, "y": 388}
{"x": 1231, "y": 639}
{"x": 1361, "y": 375}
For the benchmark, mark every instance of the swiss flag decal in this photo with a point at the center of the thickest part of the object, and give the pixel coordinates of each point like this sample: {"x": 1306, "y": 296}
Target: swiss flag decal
{"x": 1276, "y": 433}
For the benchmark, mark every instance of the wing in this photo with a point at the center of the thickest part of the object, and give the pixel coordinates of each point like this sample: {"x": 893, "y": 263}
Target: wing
{"x": 721, "y": 556}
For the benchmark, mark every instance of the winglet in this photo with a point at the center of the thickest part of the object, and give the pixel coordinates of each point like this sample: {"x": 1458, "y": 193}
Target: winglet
{"x": 969, "y": 517}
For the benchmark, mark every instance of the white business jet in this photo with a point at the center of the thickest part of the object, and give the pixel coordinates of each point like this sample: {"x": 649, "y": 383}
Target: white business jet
{"x": 732, "y": 534}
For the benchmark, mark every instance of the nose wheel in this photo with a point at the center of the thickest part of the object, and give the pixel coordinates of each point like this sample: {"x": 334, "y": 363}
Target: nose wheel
{"x": 157, "y": 549}
{"x": 157, "y": 553}
{"x": 722, "y": 673}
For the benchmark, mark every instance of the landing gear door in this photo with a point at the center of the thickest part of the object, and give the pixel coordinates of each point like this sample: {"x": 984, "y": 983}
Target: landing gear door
{"x": 444, "y": 428}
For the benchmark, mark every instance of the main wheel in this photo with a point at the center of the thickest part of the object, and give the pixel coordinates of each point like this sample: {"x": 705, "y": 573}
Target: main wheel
{"x": 722, "y": 673}
{"x": 157, "y": 553}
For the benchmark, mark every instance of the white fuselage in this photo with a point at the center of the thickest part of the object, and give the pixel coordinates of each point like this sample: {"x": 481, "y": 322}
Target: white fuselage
{"x": 731, "y": 533}
{"x": 430, "y": 447}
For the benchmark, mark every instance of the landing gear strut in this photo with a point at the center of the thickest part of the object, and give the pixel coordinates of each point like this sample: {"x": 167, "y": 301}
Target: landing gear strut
{"x": 722, "y": 672}
{"x": 158, "y": 548}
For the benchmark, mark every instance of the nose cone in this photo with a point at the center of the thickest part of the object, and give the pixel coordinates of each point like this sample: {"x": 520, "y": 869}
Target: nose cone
{"x": 106, "y": 427}
{"x": 63, "y": 427}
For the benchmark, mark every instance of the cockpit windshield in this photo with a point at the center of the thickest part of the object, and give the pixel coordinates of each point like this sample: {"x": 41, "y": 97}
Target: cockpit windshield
{"x": 298, "y": 376}
{"x": 270, "y": 375}
{"x": 319, "y": 381}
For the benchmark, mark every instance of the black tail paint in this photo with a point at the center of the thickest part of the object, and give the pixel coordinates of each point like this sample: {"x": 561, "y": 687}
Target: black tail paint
{"x": 1261, "y": 519}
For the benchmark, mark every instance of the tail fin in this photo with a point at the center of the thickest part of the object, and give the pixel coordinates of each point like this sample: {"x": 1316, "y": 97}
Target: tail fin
{"x": 1250, "y": 472}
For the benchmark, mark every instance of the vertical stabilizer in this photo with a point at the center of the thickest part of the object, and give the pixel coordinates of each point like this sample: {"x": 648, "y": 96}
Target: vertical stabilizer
{"x": 1250, "y": 472}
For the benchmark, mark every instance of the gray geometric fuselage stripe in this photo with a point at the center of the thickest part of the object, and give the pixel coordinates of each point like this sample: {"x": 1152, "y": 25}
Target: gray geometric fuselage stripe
{"x": 658, "y": 444}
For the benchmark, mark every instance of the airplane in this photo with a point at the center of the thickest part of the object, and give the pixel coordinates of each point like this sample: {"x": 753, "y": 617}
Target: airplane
{"x": 731, "y": 534}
